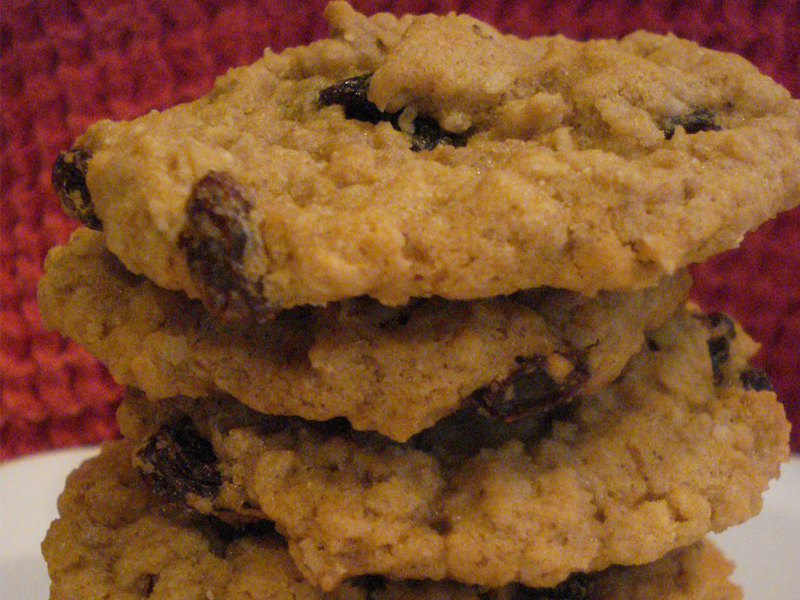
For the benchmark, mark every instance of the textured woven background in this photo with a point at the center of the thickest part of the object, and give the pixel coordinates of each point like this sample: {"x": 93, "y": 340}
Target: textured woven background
{"x": 66, "y": 64}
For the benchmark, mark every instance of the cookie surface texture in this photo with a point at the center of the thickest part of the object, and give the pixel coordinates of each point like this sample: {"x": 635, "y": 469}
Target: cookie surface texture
{"x": 433, "y": 156}
{"x": 114, "y": 541}
{"x": 684, "y": 443}
{"x": 393, "y": 370}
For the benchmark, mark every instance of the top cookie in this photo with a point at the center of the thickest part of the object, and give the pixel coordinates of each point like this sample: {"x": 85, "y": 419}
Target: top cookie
{"x": 432, "y": 155}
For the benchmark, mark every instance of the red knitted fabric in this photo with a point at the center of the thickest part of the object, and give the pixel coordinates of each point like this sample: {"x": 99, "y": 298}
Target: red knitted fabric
{"x": 66, "y": 64}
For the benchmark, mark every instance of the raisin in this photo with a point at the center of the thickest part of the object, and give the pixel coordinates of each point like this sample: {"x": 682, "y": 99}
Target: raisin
{"x": 145, "y": 584}
{"x": 723, "y": 330}
{"x": 69, "y": 181}
{"x": 180, "y": 466}
{"x": 215, "y": 239}
{"x": 465, "y": 432}
{"x": 719, "y": 350}
{"x": 756, "y": 379}
{"x": 531, "y": 389}
{"x": 351, "y": 95}
{"x": 177, "y": 461}
{"x": 721, "y": 324}
{"x": 427, "y": 135}
{"x": 700, "y": 119}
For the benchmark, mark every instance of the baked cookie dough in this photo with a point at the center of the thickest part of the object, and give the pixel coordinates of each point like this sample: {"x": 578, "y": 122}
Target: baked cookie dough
{"x": 114, "y": 541}
{"x": 433, "y": 156}
{"x": 683, "y": 443}
{"x": 393, "y": 370}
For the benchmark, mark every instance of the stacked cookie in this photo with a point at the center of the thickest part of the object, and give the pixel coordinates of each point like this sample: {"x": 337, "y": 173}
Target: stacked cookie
{"x": 403, "y": 313}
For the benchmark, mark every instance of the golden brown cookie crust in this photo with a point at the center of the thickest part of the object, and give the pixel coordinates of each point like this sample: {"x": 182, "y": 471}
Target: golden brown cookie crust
{"x": 394, "y": 370}
{"x": 113, "y": 541}
{"x": 585, "y": 166}
{"x": 684, "y": 443}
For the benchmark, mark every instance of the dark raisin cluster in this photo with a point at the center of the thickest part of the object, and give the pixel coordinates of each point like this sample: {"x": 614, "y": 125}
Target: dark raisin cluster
{"x": 351, "y": 95}
{"x": 531, "y": 389}
{"x": 722, "y": 330}
{"x": 699, "y": 119}
{"x": 177, "y": 461}
{"x": 756, "y": 379}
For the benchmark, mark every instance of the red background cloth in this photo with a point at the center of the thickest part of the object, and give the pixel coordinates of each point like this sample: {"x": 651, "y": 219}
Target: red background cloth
{"x": 66, "y": 64}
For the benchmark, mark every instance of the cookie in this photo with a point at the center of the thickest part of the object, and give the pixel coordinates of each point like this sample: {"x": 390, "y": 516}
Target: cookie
{"x": 393, "y": 370}
{"x": 683, "y": 443}
{"x": 114, "y": 541}
{"x": 433, "y": 156}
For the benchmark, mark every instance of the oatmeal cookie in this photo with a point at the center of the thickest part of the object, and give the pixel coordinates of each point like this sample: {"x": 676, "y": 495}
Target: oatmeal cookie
{"x": 433, "y": 156}
{"x": 114, "y": 541}
{"x": 394, "y": 370}
{"x": 683, "y": 443}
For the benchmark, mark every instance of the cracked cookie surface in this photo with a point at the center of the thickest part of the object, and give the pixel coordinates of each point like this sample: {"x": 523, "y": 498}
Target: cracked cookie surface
{"x": 114, "y": 541}
{"x": 583, "y": 166}
{"x": 667, "y": 453}
{"x": 394, "y": 370}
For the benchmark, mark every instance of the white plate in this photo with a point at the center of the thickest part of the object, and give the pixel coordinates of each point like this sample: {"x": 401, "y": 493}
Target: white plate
{"x": 765, "y": 549}
{"x": 29, "y": 488}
